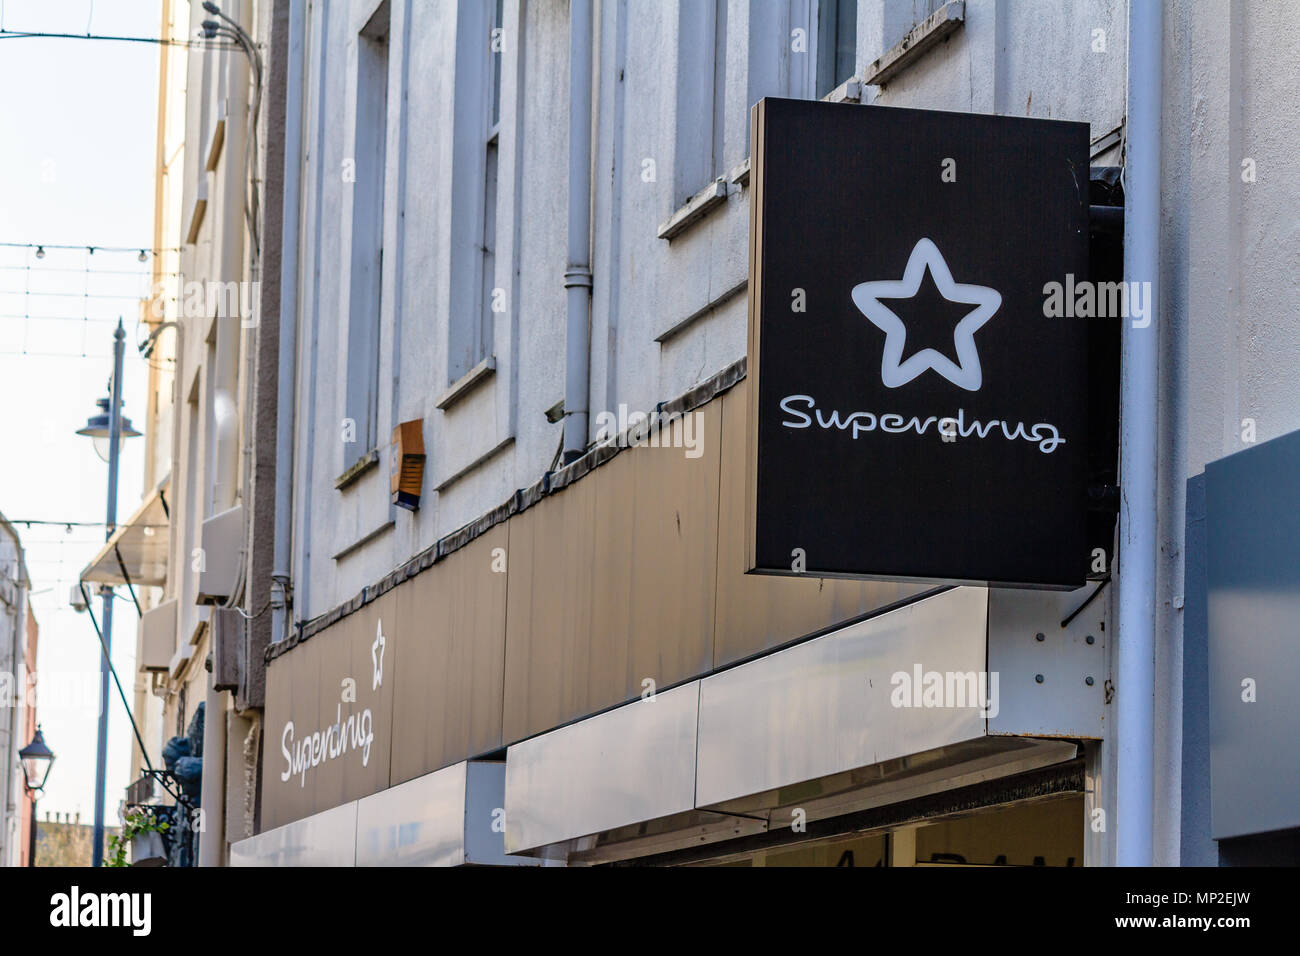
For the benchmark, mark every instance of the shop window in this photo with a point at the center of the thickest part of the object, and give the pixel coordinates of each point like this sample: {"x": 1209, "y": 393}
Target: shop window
{"x": 1050, "y": 833}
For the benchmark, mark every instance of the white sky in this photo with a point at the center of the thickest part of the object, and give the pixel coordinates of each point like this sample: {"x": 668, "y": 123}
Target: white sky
{"x": 77, "y": 126}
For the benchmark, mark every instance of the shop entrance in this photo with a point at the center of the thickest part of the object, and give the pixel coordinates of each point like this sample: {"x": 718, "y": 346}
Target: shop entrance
{"x": 1047, "y": 832}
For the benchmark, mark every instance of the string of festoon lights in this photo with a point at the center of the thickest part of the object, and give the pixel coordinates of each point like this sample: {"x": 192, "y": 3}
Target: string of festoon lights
{"x": 101, "y": 306}
{"x": 141, "y": 254}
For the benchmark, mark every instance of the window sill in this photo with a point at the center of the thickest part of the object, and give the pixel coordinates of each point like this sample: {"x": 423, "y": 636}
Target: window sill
{"x": 198, "y": 211}
{"x": 850, "y": 91}
{"x": 740, "y": 175}
{"x": 712, "y": 306}
{"x": 695, "y": 209}
{"x": 358, "y": 468}
{"x": 468, "y": 382}
{"x": 364, "y": 540}
{"x": 217, "y": 141}
{"x": 923, "y": 37}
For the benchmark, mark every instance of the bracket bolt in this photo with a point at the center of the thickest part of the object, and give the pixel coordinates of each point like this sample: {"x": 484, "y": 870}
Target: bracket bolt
{"x": 1088, "y": 681}
{"x": 1038, "y": 678}
{"x": 1039, "y": 636}
{"x": 1090, "y": 639}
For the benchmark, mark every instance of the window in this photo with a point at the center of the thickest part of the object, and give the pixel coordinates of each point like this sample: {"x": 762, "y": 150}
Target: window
{"x": 492, "y": 142}
{"x": 837, "y": 43}
{"x": 801, "y": 49}
{"x": 365, "y": 295}
{"x": 901, "y": 15}
{"x": 480, "y": 45}
{"x": 701, "y": 95}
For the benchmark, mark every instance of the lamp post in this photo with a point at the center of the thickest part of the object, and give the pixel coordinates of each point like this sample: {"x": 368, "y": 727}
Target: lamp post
{"x": 112, "y": 426}
{"x": 36, "y": 760}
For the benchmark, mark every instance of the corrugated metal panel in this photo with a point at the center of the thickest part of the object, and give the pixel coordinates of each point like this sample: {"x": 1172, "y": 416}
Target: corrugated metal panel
{"x": 291, "y": 683}
{"x": 613, "y": 577}
{"x": 374, "y": 776}
{"x": 674, "y": 556}
{"x": 612, "y": 584}
{"x": 1253, "y": 576}
{"x": 550, "y": 670}
{"x": 314, "y": 676}
{"x": 448, "y": 692}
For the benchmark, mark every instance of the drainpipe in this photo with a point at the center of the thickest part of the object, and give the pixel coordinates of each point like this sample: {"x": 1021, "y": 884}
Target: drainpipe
{"x": 577, "y": 276}
{"x": 284, "y": 407}
{"x": 229, "y": 266}
{"x": 1135, "y": 667}
{"x": 212, "y": 794}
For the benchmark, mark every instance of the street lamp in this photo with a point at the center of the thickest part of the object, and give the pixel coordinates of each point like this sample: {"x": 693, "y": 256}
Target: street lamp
{"x": 111, "y": 430}
{"x": 98, "y": 427}
{"x": 36, "y": 760}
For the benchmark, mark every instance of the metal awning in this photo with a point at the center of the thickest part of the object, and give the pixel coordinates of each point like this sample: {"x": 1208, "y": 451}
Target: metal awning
{"x": 139, "y": 545}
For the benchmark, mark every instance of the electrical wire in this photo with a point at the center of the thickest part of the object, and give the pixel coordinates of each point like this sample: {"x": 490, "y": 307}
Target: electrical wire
{"x": 161, "y": 41}
{"x": 88, "y": 247}
{"x": 72, "y": 295}
{"x": 121, "y": 693}
{"x": 74, "y": 524}
{"x": 142, "y": 272}
{"x": 100, "y": 357}
{"x": 121, "y": 565}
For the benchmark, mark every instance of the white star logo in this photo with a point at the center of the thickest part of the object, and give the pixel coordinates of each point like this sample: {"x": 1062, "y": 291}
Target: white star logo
{"x": 967, "y": 372}
{"x": 377, "y": 656}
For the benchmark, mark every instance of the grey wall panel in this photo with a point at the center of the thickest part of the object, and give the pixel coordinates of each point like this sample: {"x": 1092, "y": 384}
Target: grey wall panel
{"x": 826, "y": 706}
{"x": 447, "y": 818}
{"x": 417, "y": 823}
{"x": 630, "y": 764}
{"x": 450, "y": 817}
{"x": 1064, "y": 703}
{"x": 485, "y": 801}
{"x": 1253, "y": 573}
{"x": 323, "y": 839}
{"x": 1197, "y": 848}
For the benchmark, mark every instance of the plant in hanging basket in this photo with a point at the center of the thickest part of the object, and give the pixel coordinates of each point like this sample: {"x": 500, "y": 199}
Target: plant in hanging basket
{"x": 142, "y": 832}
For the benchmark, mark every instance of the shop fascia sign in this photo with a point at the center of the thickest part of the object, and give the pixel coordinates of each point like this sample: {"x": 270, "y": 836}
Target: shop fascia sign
{"x": 348, "y": 737}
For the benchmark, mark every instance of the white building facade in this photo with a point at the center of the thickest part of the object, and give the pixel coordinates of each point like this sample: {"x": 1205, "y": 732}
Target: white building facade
{"x": 18, "y": 703}
{"x": 508, "y": 227}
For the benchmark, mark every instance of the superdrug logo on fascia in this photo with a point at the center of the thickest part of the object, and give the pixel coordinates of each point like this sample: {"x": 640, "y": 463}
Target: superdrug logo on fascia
{"x": 915, "y": 413}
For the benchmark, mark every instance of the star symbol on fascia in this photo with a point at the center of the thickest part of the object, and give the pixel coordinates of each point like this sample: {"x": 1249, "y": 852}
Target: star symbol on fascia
{"x": 377, "y": 656}
{"x": 966, "y": 373}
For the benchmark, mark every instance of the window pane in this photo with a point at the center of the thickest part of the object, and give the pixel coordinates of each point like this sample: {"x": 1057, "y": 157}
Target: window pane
{"x": 497, "y": 48}
{"x": 846, "y": 40}
{"x": 837, "y": 34}
{"x": 489, "y": 262}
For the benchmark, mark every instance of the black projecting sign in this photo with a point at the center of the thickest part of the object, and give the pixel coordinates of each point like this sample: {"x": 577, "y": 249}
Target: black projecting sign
{"x": 915, "y": 412}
